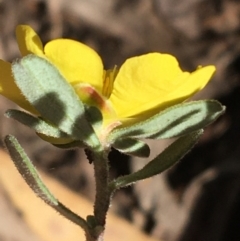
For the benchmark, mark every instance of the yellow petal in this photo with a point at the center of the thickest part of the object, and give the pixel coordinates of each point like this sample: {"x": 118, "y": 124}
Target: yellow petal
{"x": 142, "y": 82}
{"x": 56, "y": 141}
{"x": 195, "y": 82}
{"x": 189, "y": 84}
{"x": 28, "y": 41}
{"x": 76, "y": 61}
{"x": 150, "y": 83}
{"x": 9, "y": 89}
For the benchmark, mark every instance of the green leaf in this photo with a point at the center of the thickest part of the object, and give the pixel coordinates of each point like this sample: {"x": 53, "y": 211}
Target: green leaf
{"x": 28, "y": 171}
{"x": 175, "y": 121}
{"x": 132, "y": 147}
{"x": 37, "y": 124}
{"x": 163, "y": 161}
{"x": 53, "y": 97}
{"x": 32, "y": 178}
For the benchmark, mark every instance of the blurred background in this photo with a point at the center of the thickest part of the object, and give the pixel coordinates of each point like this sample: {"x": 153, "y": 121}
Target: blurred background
{"x": 199, "y": 198}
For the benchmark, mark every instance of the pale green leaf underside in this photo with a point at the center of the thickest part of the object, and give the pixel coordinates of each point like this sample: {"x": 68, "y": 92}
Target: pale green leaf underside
{"x": 53, "y": 97}
{"x": 163, "y": 161}
{"x": 37, "y": 124}
{"x": 132, "y": 147}
{"x": 175, "y": 121}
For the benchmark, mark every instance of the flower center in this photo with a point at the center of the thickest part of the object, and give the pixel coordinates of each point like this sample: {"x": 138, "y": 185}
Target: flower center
{"x": 90, "y": 96}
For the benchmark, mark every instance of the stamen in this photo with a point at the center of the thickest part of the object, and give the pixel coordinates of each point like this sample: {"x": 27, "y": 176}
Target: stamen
{"x": 108, "y": 81}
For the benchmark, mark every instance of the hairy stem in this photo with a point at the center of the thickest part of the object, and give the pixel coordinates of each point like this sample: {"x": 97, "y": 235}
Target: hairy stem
{"x": 102, "y": 198}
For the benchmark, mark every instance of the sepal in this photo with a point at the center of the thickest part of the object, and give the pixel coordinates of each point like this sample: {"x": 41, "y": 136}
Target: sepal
{"x": 175, "y": 121}
{"x": 163, "y": 161}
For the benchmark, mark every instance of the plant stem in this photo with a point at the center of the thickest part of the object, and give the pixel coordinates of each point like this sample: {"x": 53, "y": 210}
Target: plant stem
{"x": 102, "y": 198}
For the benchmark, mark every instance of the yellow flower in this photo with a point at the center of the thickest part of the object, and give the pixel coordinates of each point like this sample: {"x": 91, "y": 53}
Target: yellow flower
{"x": 142, "y": 87}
